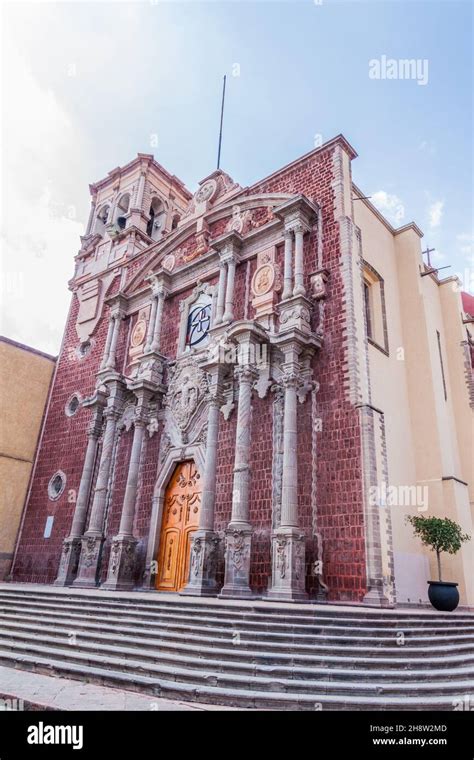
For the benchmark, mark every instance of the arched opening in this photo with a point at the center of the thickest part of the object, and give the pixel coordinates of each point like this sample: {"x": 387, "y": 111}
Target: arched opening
{"x": 156, "y": 222}
{"x": 175, "y": 222}
{"x": 102, "y": 220}
{"x": 122, "y": 209}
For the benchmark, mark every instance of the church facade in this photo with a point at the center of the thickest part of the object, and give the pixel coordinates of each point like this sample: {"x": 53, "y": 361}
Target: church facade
{"x": 255, "y": 387}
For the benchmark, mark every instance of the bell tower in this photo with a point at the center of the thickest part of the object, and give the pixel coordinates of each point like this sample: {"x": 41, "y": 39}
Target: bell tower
{"x": 132, "y": 208}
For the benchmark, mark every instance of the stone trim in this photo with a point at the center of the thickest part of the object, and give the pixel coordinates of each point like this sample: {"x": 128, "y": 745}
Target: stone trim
{"x": 174, "y": 456}
{"x": 379, "y": 278}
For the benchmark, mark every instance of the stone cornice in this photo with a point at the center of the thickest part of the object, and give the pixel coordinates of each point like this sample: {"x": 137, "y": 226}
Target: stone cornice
{"x": 338, "y": 140}
{"x": 142, "y": 158}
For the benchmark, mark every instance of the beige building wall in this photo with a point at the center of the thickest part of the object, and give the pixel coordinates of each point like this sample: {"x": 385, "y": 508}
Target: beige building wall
{"x": 429, "y": 438}
{"x": 25, "y": 379}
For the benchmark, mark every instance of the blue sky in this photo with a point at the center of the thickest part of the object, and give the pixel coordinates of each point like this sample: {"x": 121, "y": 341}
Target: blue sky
{"x": 88, "y": 85}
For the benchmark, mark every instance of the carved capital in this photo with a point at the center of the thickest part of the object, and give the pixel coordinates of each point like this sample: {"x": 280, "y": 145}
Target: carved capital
{"x": 246, "y": 374}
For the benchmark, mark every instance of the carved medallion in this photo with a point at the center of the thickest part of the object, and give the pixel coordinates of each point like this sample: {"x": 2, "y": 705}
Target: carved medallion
{"x": 263, "y": 280}
{"x": 138, "y": 333}
{"x": 169, "y": 262}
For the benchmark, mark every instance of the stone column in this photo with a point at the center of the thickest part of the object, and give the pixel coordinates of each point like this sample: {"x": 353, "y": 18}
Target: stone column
{"x": 120, "y": 575}
{"x": 156, "y": 342}
{"x": 239, "y": 530}
{"x": 94, "y": 536}
{"x": 221, "y": 293}
{"x": 229, "y": 292}
{"x": 205, "y": 542}
{"x": 299, "y": 289}
{"x": 110, "y": 363}
{"x": 108, "y": 341}
{"x": 288, "y": 266}
{"x": 151, "y": 325}
{"x": 72, "y": 544}
{"x": 288, "y": 541}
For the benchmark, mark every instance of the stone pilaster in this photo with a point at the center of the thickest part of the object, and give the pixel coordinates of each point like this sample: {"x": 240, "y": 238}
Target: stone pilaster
{"x": 205, "y": 541}
{"x": 72, "y": 544}
{"x": 120, "y": 575}
{"x": 93, "y": 538}
{"x": 91, "y": 220}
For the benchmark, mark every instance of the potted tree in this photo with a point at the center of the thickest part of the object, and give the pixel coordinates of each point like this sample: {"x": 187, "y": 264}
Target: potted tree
{"x": 441, "y": 535}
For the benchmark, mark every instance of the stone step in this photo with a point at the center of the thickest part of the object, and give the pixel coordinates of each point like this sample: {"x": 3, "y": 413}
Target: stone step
{"x": 230, "y": 621}
{"x": 405, "y": 669}
{"x": 179, "y": 606}
{"x": 279, "y": 656}
{"x": 167, "y": 638}
{"x": 257, "y": 682}
{"x": 428, "y": 657}
{"x": 375, "y": 636}
{"x": 241, "y": 698}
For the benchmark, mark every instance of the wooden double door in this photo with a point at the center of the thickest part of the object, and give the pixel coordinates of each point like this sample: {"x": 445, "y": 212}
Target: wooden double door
{"x": 181, "y": 508}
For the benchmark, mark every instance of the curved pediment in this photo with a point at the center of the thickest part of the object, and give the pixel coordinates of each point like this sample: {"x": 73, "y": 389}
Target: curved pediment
{"x": 237, "y": 211}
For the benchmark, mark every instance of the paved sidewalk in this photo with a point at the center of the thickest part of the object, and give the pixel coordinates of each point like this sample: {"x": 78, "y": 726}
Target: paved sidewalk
{"x": 40, "y": 692}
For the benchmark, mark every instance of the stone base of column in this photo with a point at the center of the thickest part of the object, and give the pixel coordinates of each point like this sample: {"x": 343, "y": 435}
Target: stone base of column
{"x": 238, "y": 541}
{"x": 121, "y": 570}
{"x": 376, "y": 597}
{"x": 203, "y": 565}
{"x": 88, "y": 562}
{"x": 288, "y": 566}
{"x": 69, "y": 561}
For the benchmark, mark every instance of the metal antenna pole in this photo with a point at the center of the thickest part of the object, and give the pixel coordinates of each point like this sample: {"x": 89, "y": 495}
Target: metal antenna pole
{"x": 222, "y": 119}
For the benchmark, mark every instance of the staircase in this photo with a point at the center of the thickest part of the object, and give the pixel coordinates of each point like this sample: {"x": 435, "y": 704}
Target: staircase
{"x": 255, "y": 654}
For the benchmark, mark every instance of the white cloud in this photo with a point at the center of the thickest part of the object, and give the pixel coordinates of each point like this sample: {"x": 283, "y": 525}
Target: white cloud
{"x": 435, "y": 213}
{"x": 428, "y": 146}
{"x": 390, "y": 205}
{"x": 40, "y": 231}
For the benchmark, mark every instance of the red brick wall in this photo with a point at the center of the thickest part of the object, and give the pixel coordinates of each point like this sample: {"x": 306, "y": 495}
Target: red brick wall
{"x": 339, "y": 484}
{"x": 62, "y": 447}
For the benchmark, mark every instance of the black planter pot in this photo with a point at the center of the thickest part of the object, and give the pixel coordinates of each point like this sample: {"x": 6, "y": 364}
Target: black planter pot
{"x": 443, "y": 596}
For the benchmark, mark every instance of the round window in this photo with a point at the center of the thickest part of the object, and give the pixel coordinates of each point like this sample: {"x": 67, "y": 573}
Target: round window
{"x": 72, "y": 405}
{"x": 56, "y": 485}
{"x": 84, "y": 348}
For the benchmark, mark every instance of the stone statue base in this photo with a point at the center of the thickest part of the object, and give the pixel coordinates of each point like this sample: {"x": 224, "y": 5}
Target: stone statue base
{"x": 288, "y": 566}
{"x": 238, "y": 540}
{"x": 121, "y": 571}
{"x": 203, "y": 565}
{"x": 89, "y": 562}
{"x": 69, "y": 561}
